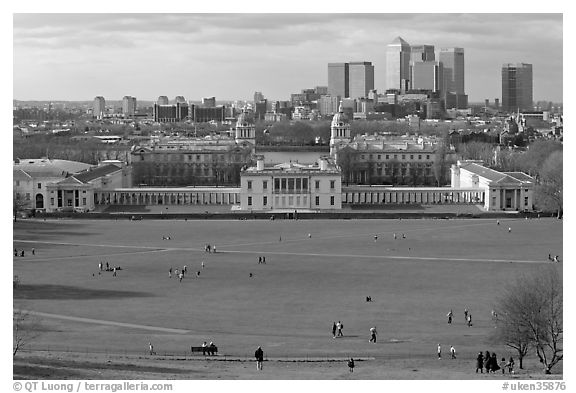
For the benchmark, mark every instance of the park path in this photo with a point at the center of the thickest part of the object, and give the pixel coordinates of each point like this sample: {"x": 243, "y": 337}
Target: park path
{"x": 109, "y": 323}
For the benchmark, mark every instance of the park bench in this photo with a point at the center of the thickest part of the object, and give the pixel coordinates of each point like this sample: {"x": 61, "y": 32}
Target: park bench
{"x": 213, "y": 349}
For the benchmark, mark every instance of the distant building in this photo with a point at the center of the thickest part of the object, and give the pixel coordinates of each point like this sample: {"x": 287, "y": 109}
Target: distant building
{"x": 171, "y": 113}
{"x": 204, "y": 114}
{"x": 328, "y": 105}
{"x": 338, "y": 79}
{"x": 291, "y": 186}
{"x": 163, "y": 100}
{"x": 517, "y": 87}
{"x": 420, "y": 53}
{"x": 209, "y": 102}
{"x": 258, "y": 96}
{"x": 453, "y": 91}
{"x": 99, "y": 107}
{"x": 360, "y": 79}
{"x": 398, "y": 65}
{"x": 426, "y": 75}
{"x": 503, "y": 191}
{"x": 179, "y": 100}
{"x": 128, "y": 106}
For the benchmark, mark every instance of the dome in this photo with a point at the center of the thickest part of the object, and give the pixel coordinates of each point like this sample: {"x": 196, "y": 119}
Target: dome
{"x": 244, "y": 120}
{"x": 339, "y": 119}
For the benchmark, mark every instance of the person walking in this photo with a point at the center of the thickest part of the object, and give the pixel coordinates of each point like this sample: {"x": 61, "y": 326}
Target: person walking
{"x": 340, "y": 326}
{"x": 373, "y": 334}
{"x": 503, "y": 365}
{"x": 466, "y": 314}
{"x": 449, "y": 315}
{"x": 151, "y": 348}
{"x": 479, "y": 362}
{"x": 439, "y": 352}
{"x": 511, "y": 365}
{"x": 469, "y": 319}
{"x": 259, "y": 355}
{"x": 351, "y": 365}
{"x": 334, "y": 330}
{"x": 33, "y": 252}
{"x": 487, "y": 362}
{"x": 452, "y": 352}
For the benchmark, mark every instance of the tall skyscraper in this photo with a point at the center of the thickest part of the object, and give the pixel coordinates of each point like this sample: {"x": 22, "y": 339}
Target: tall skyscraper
{"x": 398, "y": 64}
{"x": 179, "y": 100}
{"x": 426, "y": 75}
{"x": 258, "y": 96}
{"x": 360, "y": 78}
{"x": 162, "y": 100}
{"x": 209, "y": 102}
{"x": 128, "y": 106}
{"x": 99, "y": 107}
{"x": 338, "y": 79}
{"x": 422, "y": 53}
{"x": 517, "y": 87}
{"x": 453, "y": 92}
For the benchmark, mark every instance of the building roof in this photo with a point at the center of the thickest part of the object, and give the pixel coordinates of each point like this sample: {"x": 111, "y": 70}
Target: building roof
{"x": 399, "y": 41}
{"x": 95, "y": 173}
{"x": 51, "y": 167}
{"x": 495, "y": 176}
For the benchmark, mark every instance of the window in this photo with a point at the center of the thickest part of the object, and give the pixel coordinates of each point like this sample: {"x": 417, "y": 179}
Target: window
{"x": 39, "y": 185}
{"x": 525, "y": 201}
{"x": 265, "y": 200}
{"x": 304, "y": 184}
{"x": 370, "y": 157}
{"x": 27, "y": 196}
{"x": 317, "y": 201}
{"x": 84, "y": 192}
{"x": 379, "y": 157}
{"x": 525, "y": 190}
{"x": 52, "y": 201}
{"x": 249, "y": 184}
{"x": 17, "y": 183}
{"x": 197, "y": 157}
{"x": 276, "y": 184}
{"x": 332, "y": 200}
{"x": 362, "y": 157}
{"x": 411, "y": 156}
{"x": 387, "y": 156}
{"x": 264, "y": 184}
{"x": 317, "y": 183}
{"x": 332, "y": 182}
{"x": 395, "y": 156}
{"x": 249, "y": 201}
{"x": 427, "y": 156}
{"x": 403, "y": 156}
{"x": 84, "y": 201}
{"x": 69, "y": 202}
{"x": 419, "y": 156}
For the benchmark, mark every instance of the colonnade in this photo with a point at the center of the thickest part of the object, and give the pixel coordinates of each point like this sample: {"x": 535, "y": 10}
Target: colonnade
{"x": 412, "y": 195}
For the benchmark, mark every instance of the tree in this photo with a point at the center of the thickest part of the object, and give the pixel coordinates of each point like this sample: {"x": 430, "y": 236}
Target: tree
{"x": 548, "y": 194}
{"x": 19, "y": 205}
{"x": 530, "y": 314}
{"x": 25, "y": 329}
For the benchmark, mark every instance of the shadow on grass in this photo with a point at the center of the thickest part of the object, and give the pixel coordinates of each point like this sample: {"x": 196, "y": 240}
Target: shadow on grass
{"x": 67, "y": 292}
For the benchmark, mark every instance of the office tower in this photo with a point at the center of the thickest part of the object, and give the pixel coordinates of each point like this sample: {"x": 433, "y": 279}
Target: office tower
{"x": 179, "y": 100}
{"x": 422, "y": 53}
{"x": 328, "y": 105}
{"x": 128, "y": 106}
{"x": 321, "y": 90}
{"x": 209, "y": 102}
{"x": 338, "y": 74}
{"x": 397, "y": 65}
{"x": 258, "y": 96}
{"x": 360, "y": 78}
{"x": 162, "y": 100}
{"x": 516, "y": 87}
{"x": 99, "y": 107}
{"x": 497, "y": 103}
{"x": 452, "y": 60}
{"x": 426, "y": 75}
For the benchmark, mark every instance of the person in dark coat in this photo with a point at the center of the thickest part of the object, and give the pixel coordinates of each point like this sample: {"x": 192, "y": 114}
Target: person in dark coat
{"x": 334, "y": 330}
{"x": 487, "y": 361}
{"x": 480, "y": 362}
{"x": 494, "y": 363}
{"x": 259, "y": 355}
{"x": 351, "y": 365}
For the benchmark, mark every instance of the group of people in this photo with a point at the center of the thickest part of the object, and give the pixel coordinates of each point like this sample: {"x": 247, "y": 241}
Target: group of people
{"x": 452, "y": 352}
{"x": 21, "y": 252}
{"x": 109, "y": 268}
{"x": 209, "y": 248}
{"x": 337, "y": 329}
{"x": 489, "y": 362}
{"x": 208, "y": 349}
{"x": 555, "y": 258}
{"x": 467, "y": 317}
{"x": 179, "y": 274}
{"x": 262, "y": 260}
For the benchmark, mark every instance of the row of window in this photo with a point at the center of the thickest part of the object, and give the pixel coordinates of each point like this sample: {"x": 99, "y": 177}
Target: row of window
{"x": 395, "y": 156}
{"x": 291, "y": 184}
{"x": 291, "y": 201}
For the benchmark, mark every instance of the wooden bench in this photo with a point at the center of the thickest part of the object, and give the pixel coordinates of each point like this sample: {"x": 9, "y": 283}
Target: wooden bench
{"x": 205, "y": 350}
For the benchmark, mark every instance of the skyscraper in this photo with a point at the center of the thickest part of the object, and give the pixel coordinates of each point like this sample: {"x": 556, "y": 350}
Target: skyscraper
{"x": 360, "y": 78}
{"x": 516, "y": 87}
{"x": 397, "y": 64}
{"x": 179, "y": 100}
{"x": 128, "y": 106}
{"x": 338, "y": 79}
{"x": 426, "y": 75}
{"x": 162, "y": 100}
{"x": 452, "y": 60}
{"x": 99, "y": 107}
{"x": 422, "y": 53}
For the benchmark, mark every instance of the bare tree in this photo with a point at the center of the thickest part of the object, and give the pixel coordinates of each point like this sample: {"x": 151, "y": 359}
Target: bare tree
{"x": 25, "y": 329}
{"x": 530, "y": 315}
{"x": 548, "y": 193}
{"x": 19, "y": 205}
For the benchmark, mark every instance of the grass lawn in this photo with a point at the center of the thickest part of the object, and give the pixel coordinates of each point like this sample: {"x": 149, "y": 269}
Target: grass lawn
{"x": 289, "y": 304}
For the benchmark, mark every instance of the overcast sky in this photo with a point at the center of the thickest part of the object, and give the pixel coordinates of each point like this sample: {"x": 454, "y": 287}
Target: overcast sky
{"x": 230, "y": 56}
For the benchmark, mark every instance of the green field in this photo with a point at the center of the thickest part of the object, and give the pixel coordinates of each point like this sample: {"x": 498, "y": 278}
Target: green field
{"x": 290, "y": 303}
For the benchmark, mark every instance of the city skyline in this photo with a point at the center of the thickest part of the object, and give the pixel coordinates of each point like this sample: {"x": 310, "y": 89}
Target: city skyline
{"x": 230, "y": 56}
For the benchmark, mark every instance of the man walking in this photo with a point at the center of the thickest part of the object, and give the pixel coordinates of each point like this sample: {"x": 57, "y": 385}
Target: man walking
{"x": 340, "y": 326}
{"x": 373, "y": 334}
{"x": 259, "y": 355}
{"x": 151, "y": 347}
{"x": 334, "y": 330}
{"x": 449, "y": 315}
{"x": 439, "y": 352}
{"x": 452, "y": 352}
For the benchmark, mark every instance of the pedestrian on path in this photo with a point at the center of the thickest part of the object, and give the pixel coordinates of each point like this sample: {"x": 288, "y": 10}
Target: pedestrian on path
{"x": 439, "y": 352}
{"x": 259, "y": 355}
{"x": 351, "y": 365}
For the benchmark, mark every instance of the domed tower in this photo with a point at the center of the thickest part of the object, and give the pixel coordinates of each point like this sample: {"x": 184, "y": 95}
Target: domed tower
{"x": 339, "y": 131}
{"x": 245, "y": 130}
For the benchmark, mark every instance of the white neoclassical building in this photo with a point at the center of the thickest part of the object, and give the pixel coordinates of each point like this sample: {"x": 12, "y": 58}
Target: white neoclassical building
{"x": 291, "y": 186}
{"x": 503, "y": 191}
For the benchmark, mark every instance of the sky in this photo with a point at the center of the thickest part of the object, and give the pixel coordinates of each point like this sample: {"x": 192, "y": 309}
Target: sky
{"x": 79, "y": 56}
